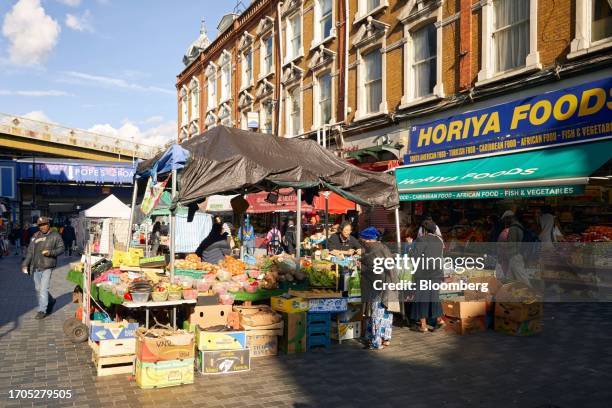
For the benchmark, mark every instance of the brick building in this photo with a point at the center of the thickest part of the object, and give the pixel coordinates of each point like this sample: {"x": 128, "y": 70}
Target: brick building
{"x": 357, "y": 74}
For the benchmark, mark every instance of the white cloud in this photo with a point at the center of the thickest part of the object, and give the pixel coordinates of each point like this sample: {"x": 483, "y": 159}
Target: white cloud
{"x": 71, "y": 3}
{"x": 153, "y": 119}
{"x": 110, "y": 82}
{"x": 156, "y": 135}
{"x": 34, "y": 93}
{"x": 37, "y": 115}
{"x": 32, "y": 34}
{"x": 79, "y": 23}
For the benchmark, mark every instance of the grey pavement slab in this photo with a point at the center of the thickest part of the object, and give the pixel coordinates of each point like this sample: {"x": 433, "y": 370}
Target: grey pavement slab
{"x": 568, "y": 365}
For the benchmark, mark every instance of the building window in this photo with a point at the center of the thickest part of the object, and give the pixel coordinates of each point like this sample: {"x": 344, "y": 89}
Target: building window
{"x": 294, "y": 34}
{"x": 601, "y": 19}
{"x": 371, "y": 5}
{"x": 212, "y": 91}
{"x": 266, "y": 49}
{"x": 184, "y": 107}
{"x": 326, "y": 21}
{"x": 244, "y": 120}
{"x": 226, "y": 81}
{"x": 268, "y": 117}
{"x": 373, "y": 81}
{"x": 510, "y": 34}
{"x": 325, "y": 98}
{"x": 247, "y": 68}
{"x": 424, "y": 64}
{"x": 195, "y": 99}
{"x": 294, "y": 112}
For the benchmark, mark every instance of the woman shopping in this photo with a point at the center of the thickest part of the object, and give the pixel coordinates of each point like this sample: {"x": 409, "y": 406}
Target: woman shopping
{"x": 246, "y": 234}
{"x": 376, "y": 303}
{"x": 426, "y": 304}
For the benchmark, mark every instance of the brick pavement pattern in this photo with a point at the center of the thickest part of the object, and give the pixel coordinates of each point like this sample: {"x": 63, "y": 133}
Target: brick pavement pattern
{"x": 568, "y": 365}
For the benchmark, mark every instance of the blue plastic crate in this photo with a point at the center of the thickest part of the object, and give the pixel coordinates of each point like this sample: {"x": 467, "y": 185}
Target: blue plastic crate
{"x": 318, "y": 340}
{"x": 318, "y": 328}
{"x": 318, "y": 317}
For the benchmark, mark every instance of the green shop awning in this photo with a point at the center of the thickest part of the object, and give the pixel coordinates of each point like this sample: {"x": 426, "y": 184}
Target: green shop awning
{"x": 545, "y": 172}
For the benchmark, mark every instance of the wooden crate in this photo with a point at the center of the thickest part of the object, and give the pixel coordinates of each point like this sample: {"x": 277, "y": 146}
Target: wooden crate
{"x": 118, "y": 347}
{"x": 114, "y": 364}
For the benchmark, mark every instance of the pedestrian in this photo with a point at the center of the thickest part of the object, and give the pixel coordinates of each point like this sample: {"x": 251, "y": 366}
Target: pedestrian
{"x": 15, "y": 238}
{"x": 376, "y": 303}
{"x": 41, "y": 258}
{"x": 246, "y": 233}
{"x": 343, "y": 243}
{"x": 289, "y": 238}
{"x": 511, "y": 247}
{"x": 549, "y": 228}
{"x": 25, "y": 238}
{"x": 69, "y": 237}
{"x": 422, "y": 231}
{"x": 273, "y": 241}
{"x": 155, "y": 238}
{"x": 426, "y": 305}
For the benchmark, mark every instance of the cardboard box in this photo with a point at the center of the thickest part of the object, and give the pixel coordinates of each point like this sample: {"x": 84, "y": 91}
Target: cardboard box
{"x": 459, "y": 308}
{"x": 353, "y": 313}
{"x": 164, "y": 347}
{"x": 294, "y": 333}
{"x": 466, "y": 325}
{"x": 223, "y": 361}
{"x": 120, "y": 347}
{"x": 328, "y": 305}
{"x": 345, "y": 331}
{"x": 164, "y": 373}
{"x": 292, "y": 304}
{"x": 220, "y": 340}
{"x": 208, "y": 316}
{"x": 518, "y": 328}
{"x": 493, "y": 286}
{"x": 519, "y": 311}
{"x": 262, "y": 344}
{"x": 112, "y": 331}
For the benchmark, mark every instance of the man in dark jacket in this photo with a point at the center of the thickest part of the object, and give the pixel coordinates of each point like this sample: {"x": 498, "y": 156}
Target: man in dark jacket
{"x": 69, "y": 236}
{"x": 41, "y": 257}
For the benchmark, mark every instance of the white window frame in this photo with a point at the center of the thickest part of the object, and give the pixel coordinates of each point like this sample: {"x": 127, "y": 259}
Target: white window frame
{"x": 244, "y": 120}
{"x": 362, "y": 12}
{"x": 263, "y": 72}
{"x": 194, "y": 98}
{"x": 225, "y": 120}
{"x": 247, "y": 82}
{"x": 317, "y": 120}
{"x": 532, "y": 62}
{"x": 184, "y": 103}
{"x": 289, "y": 36}
{"x": 361, "y": 112}
{"x": 289, "y": 130}
{"x": 412, "y": 25}
{"x": 317, "y": 31}
{"x": 211, "y": 87}
{"x": 263, "y": 114}
{"x": 582, "y": 43}
{"x": 225, "y": 66}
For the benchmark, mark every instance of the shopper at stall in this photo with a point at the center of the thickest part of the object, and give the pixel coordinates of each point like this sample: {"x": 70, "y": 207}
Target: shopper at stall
{"x": 215, "y": 246}
{"x": 423, "y": 232}
{"x": 69, "y": 237}
{"x": 273, "y": 241}
{"x": 246, "y": 233}
{"x": 510, "y": 249}
{"x": 343, "y": 242}
{"x": 426, "y": 305}
{"x": 41, "y": 258}
{"x": 155, "y": 238}
{"x": 549, "y": 229}
{"x": 379, "y": 320}
{"x": 289, "y": 238}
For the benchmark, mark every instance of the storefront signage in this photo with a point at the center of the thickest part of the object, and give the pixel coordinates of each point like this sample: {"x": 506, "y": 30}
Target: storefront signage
{"x": 547, "y": 191}
{"x": 576, "y": 114}
{"x": 78, "y": 173}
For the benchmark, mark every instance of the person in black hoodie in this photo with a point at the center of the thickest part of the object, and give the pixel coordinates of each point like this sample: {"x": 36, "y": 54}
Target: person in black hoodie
{"x": 40, "y": 260}
{"x": 215, "y": 246}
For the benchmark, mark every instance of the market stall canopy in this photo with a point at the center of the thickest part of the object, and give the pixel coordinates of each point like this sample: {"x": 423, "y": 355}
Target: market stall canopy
{"x": 335, "y": 204}
{"x": 545, "y": 172}
{"x": 232, "y": 161}
{"x": 216, "y": 203}
{"x": 172, "y": 159}
{"x": 287, "y": 201}
{"x": 110, "y": 207}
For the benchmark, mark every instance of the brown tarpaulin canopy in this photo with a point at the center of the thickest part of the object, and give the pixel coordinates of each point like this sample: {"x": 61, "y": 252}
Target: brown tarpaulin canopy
{"x": 232, "y": 161}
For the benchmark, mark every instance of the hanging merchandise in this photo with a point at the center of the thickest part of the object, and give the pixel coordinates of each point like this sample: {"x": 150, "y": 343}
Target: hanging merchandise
{"x": 152, "y": 195}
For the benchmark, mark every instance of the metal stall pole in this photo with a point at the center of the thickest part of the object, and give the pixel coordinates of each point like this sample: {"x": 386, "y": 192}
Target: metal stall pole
{"x": 326, "y": 194}
{"x": 134, "y": 195}
{"x": 172, "y": 226}
{"x": 397, "y": 231}
{"x": 298, "y": 232}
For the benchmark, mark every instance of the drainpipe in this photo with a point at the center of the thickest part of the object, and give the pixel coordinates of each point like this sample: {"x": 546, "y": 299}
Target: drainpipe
{"x": 346, "y": 56}
{"x": 279, "y": 100}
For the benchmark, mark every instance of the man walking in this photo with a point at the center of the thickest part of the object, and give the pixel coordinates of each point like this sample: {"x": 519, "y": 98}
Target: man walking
{"x": 41, "y": 257}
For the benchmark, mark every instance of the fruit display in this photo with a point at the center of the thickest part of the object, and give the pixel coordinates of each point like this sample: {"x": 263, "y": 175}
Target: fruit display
{"x": 233, "y": 265}
{"x": 322, "y": 274}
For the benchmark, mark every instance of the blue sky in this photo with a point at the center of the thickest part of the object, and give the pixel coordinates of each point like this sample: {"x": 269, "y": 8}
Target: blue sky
{"x": 104, "y": 65}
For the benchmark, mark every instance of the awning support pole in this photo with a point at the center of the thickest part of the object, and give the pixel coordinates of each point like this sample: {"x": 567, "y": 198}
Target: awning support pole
{"x": 172, "y": 226}
{"x": 326, "y": 194}
{"x": 397, "y": 231}
{"x": 298, "y": 232}
{"x": 132, "y": 209}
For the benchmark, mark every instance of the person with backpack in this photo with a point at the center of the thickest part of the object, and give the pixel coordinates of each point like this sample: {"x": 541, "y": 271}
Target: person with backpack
{"x": 289, "y": 238}
{"x": 515, "y": 247}
{"x": 273, "y": 241}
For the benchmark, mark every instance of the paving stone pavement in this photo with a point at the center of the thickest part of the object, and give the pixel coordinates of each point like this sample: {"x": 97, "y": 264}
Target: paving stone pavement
{"x": 568, "y": 365}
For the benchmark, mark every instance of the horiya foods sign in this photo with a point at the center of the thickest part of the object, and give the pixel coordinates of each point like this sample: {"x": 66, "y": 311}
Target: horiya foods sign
{"x": 571, "y": 115}
{"x": 482, "y": 177}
